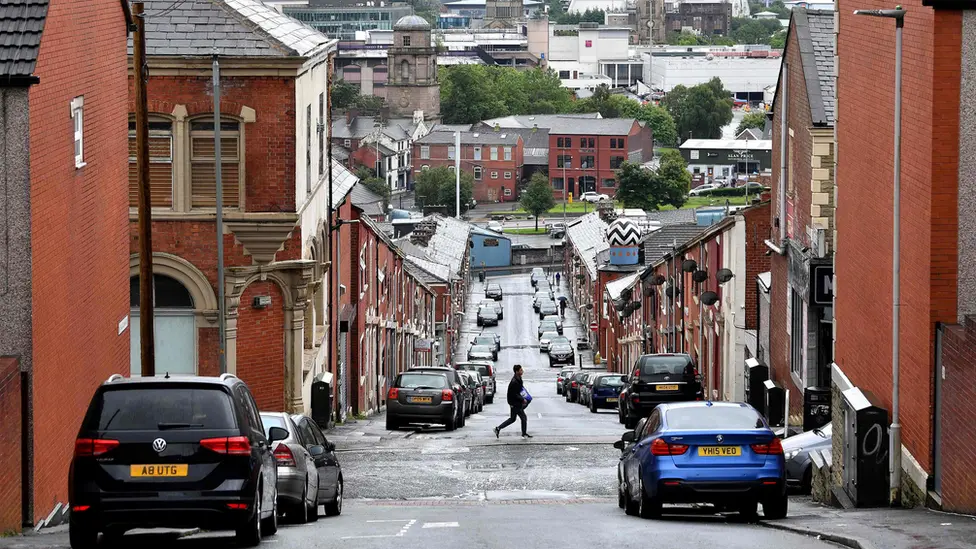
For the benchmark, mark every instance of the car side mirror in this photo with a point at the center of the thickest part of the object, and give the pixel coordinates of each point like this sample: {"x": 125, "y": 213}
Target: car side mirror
{"x": 330, "y": 447}
{"x": 629, "y": 436}
{"x": 625, "y": 379}
{"x": 619, "y": 445}
{"x": 277, "y": 433}
{"x": 316, "y": 451}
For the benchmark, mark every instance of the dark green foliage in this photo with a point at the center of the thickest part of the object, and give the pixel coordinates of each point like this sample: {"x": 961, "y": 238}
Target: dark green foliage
{"x": 700, "y": 111}
{"x": 437, "y": 187}
{"x": 537, "y": 198}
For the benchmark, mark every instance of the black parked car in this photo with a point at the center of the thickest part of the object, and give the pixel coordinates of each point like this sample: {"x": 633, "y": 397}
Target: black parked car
{"x": 487, "y": 341}
{"x": 180, "y": 452}
{"x": 561, "y": 352}
{"x": 426, "y": 395}
{"x": 487, "y": 317}
{"x": 572, "y": 389}
{"x": 494, "y": 291}
{"x": 659, "y": 378}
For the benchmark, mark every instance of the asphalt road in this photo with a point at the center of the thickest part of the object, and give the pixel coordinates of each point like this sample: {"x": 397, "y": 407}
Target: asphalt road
{"x": 425, "y": 487}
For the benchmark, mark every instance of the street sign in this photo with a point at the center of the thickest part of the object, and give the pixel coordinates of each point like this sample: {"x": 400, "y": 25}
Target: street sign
{"x": 421, "y": 345}
{"x": 593, "y": 325}
{"x": 822, "y": 282}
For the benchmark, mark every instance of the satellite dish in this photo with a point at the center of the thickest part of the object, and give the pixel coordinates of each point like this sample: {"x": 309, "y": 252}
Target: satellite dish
{"x": 724, "y": 275}
{"x": 619, "y": 304}
{"x": 700, "y": 276}
{"x": 689, "y": 265}
{"x": 635, "y": 304}
{"x": 709, "y": 298}
{"x": 658, "y": 280}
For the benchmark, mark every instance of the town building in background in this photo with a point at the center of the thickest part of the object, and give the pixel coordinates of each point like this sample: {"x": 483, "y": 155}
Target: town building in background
{"x": 345, "y": 19}
{"x": 704, "y": 17}
{"x": 493, "y": 158}
{"x": 502, "y": 14}
{"x": 413, "y": 59}
{"x": 726, "y": 159}
{"x": 586, "y": 157}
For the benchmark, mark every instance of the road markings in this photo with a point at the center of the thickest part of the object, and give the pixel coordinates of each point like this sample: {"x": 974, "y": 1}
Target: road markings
{"x": 540, "y": 415}
{"x": 390, "y": 520}
{"x": 406, "y": 527}
{"x": 400, "y": 534}
{"x": 440, "y": 525}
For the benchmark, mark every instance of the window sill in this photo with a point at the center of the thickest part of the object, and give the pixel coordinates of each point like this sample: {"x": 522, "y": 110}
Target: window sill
{"x": 80, "y": 165}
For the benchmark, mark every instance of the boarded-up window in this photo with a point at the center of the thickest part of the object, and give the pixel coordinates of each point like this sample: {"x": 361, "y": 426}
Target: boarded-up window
{"x": 203, "y": 177}
{"x": 160, "y": 164}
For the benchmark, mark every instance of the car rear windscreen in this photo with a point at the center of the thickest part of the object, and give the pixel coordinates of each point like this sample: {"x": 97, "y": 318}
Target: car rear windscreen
{"x": 484, "y": 340}
{"x": 713, "y": 417}
{"x": 657, "y": 368}
{"x": 151, "y": 409}
{"x": 431, "y": 381}
{"x": 611, "y": 381}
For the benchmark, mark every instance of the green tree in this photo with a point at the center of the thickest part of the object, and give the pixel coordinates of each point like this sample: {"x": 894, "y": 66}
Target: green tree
{"x": 344, "y": 94}
{"x": 745, "y": 30}
{"x": 537, "y": 198}
{"x": 591, "y": 15}
{"x": 379, "y": 187}
{"x": 661, "y": 123}
{"x": 778, "y": 40}
{"x": 437, "y": 187}
{"x": 650, "y": 189}
{"x": 776, "y": 7}
{"x": 700, "y": 111}
{"x": 471, "y": 93}
{"x": 751, "y": 120}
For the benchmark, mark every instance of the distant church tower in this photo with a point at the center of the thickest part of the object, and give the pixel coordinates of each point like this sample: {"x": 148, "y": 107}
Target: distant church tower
{"x": 412, "y": 82}
{"x": 503, "y": 14}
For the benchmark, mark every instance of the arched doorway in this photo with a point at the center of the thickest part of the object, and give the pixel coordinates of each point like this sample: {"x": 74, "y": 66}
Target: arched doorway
{"x": 174, "y": 327}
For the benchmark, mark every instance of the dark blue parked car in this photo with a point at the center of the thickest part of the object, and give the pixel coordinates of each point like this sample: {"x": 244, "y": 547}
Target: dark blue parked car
{"x": 721, "y": 453}
{"x": 605, "y": 391}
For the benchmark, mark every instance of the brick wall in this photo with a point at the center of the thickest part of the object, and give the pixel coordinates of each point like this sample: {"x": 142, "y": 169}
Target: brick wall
{"x": 80, "y": 225}
{"x": 10, "y": 444}
{"x": 261, "y": 346}
{"x": 863, "y": 256}
{"x": 758, "y": 228}
{"x": 269, "y": 141}
{"x": 958, "y": 417}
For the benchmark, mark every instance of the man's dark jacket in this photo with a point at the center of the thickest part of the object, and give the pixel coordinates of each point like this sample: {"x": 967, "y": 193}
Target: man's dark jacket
{"x": 515, "y": 392}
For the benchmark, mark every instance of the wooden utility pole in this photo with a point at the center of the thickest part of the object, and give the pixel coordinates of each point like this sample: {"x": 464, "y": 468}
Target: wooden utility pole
{"x": 140, "y": 73}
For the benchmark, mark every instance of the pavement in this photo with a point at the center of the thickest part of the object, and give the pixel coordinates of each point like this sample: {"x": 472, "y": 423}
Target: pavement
{"x": 425, "y": 487}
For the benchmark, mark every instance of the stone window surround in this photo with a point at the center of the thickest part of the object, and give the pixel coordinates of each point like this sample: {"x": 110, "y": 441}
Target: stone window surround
{"x": 181, "y": 162}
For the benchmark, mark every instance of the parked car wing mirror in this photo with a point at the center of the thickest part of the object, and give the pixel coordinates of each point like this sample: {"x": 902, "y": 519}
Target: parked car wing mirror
{"x": 330, "y": 446}
{"x": 316, "y": 450}
{"x": 629, "y": 436}
{"x": 619, "y": 445}
{"x": 277, "y": 433}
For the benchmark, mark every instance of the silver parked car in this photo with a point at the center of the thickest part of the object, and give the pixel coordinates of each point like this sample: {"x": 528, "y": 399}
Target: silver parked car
{"x": 797, "y": 449}
{"x": 318, "y": 478}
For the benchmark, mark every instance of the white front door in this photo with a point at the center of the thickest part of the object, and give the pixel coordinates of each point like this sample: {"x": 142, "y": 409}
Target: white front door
{"x": 175, "y": 342}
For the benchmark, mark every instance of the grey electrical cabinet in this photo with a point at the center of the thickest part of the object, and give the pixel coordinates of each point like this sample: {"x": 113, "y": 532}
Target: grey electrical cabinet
{"x": 866, "y": 451}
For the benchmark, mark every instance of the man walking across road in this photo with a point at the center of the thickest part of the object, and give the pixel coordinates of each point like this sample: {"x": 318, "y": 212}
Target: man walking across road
{"x": 516, "y": 402}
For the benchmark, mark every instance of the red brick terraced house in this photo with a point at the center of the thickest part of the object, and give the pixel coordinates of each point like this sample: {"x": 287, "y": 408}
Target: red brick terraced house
{"x": 586, "y": 155}
{"x": 801, "y": 270}
{"x": 938, "y": 252}
{"x": 63, "y": 237}
{"x": 437, "y": 251}
{"x": 724, "y": 259}
{"x": 274, "y": 74}
{"x": 493, "y": 158}
{"x": 394, "y": 308}
{"x": 585, "y": 240}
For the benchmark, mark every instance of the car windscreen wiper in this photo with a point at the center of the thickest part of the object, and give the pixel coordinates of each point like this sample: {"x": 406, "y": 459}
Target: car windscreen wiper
{"x": 176, "y": 425}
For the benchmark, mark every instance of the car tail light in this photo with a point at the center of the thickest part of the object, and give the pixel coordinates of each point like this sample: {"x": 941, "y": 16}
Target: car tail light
{"x": 237, "y": 506}
{"x": 80, "y": 508}
{"x": 233, "y": 446}
{"x": 283, "y": 456}
{"x": 94, "y": 446}
{"x": 635, "y": 398}
{"x": 773, "y": 447}
{"x": 393, "y": 394}
{"x": 661, "y": 448}
{"x": 447, "y": 395}
{"x": 574, "y": 384}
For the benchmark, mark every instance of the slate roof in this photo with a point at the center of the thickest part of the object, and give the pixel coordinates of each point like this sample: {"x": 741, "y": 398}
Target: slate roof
{"x": 444, "y": 254}
{"x": 21, "y": 25}
{"x": 239, "y": 28}
{"x": 815, "y": 37}
{"x": 535, "y": 144}
{"x": 451, "y": 128}
{"x": 487, "y": 137}
{"x": 600, "y": 126}
{"x": 541, "y": 120}
{"x": 366, "y": 200}
{"x": 418, "y": 268}
{"x": 673, "y": 217}
{"x": 588, "y": 235}
{"x": 396, "y": 129}
{"x": 658, "y": 243}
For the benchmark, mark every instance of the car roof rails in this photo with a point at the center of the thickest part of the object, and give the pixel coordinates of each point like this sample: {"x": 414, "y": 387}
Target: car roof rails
{"x": 114, "y": 377}
{"x": 228, "y": 375}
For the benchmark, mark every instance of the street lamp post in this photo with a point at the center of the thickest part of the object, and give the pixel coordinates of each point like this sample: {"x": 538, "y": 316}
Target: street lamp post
{"x": 894, "y": 460}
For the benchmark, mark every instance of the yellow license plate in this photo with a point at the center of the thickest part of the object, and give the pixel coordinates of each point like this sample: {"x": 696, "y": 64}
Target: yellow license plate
{"x": 421, "y": 400}
{"x": 611, "y": 400}
{"x": 667, "y": 387}
{"x": 175, "y": 470}
{"x": 719, "y": 451}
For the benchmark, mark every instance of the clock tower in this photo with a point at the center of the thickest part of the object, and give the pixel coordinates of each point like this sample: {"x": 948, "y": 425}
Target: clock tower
{"x": 412, "y": 59}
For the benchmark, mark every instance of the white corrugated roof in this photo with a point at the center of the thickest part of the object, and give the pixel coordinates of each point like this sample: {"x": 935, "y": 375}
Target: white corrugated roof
{"x": 293, "y": 34}
{"x": 589, "y": 236}
{"x": 617, "y": 286}
{"x": 343, "y": 181}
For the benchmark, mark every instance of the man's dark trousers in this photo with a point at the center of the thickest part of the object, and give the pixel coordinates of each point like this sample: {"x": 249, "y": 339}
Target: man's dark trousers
{"x": 517, "y": 411}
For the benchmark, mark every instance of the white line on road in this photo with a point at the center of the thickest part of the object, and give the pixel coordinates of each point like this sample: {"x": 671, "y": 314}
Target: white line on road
{"x": 391, "y": 520}
{"x": 440, "y": 525}
{"x": 406, "y": 527}
{"x": 540, "y": 415}
{"x": 371, "y": 537}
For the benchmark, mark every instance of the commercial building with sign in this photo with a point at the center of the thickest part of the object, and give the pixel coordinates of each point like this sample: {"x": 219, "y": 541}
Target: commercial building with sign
{"x": 727, "y": 157}
{"x": 489, "y": 249}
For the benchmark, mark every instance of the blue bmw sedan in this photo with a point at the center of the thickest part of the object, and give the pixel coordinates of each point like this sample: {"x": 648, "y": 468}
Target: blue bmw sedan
{"x": 722, "y": 453}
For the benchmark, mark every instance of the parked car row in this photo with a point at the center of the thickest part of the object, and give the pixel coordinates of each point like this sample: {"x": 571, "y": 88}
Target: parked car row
{"x": 425, "y": 395}
{"x": 195, "y": 452}
{"x": 595, "y": 390}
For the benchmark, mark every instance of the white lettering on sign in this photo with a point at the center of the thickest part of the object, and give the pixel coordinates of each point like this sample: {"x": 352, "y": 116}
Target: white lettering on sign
{"x": 828, "y": 284}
